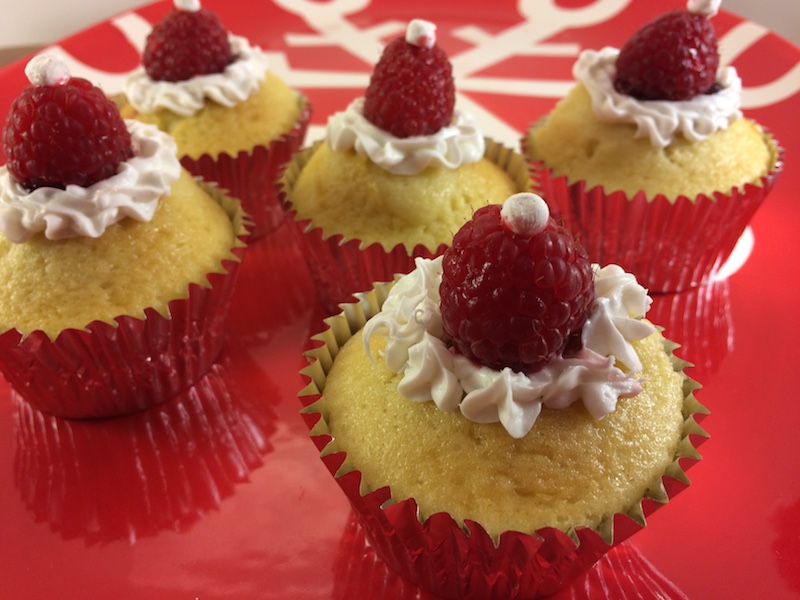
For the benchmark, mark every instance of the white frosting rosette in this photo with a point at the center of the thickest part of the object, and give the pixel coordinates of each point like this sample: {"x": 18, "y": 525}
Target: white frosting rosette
{"x": 416, "y": 347}
{"x": 661, "y": 121}
{"x": 457, "y": 144}
{"x": 134, "y": 191}
{"x": 236, "y": 83}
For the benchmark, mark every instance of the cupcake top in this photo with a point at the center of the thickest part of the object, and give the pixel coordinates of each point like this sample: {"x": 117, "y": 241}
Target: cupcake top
{"x": 511, "y": 318}
{"x": 189, "y": 58}
{"x": 93, "y": 170}
{"x": 406, "y": 120}
{"x": 681, "y": 91}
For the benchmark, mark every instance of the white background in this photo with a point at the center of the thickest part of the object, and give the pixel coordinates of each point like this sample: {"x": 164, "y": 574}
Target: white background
{"x": 39, "y": 22}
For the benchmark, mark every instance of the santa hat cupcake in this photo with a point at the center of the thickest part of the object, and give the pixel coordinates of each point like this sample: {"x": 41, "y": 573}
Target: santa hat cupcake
{"x": 649, "y": 160}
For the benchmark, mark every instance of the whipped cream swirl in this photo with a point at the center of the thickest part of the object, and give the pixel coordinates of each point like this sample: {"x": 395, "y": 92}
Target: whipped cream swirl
{"x": 134, "y": 191}
{"x": 659, "y": 120}
{"x": 410, "y": 320}
{"x": 458, "y": 144}
{"x": 236, "y": 83}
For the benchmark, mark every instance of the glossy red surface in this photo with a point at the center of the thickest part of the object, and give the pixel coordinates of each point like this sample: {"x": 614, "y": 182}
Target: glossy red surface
{"x": 219, "y": 493}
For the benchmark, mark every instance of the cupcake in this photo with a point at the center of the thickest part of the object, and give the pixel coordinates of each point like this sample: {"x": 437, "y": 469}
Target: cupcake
{"x": 117, "y": 264}
{"x": 398, "y": 173}
{"x": 503, "y": 415}
{"x": 648, "y": 158}
{"x": 235, "y": 122}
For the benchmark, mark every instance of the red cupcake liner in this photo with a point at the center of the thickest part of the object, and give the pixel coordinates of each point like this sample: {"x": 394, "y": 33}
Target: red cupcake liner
{"x": 341, "y": 267}
{"x": 669, "y": 245}
{"x": 440, "y": 555}
{"x": 251, "y": 175}
{"x": 110, "y": 369}
{"x": 623, "y": 572}
{"x": 132, "y": 477}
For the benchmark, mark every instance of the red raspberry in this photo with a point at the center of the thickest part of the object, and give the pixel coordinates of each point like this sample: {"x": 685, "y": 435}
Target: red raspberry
{"x": 185, "y": 44}
{"x": 411, "y": 90}
{"x": 673, "y": 58}
{"x": 57, "y": 135}
{"x": 513, "y": 299}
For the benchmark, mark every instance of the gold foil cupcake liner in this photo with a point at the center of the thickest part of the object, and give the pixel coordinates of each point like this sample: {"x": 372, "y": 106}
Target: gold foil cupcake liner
{"x": 670, "y": 245}
{"x": 251, "y": 175}
{"x": 340, "y": 266}
{"x": 459, "y": 561}
{"x": 110, "y": 369}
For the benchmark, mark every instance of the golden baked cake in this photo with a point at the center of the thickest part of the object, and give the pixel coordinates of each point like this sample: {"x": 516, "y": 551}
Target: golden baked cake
{"x": 508, "y": 388}
{"x": 118, "y": 264}
{"x": 272, "y": 110}
{"x": 608, "y": 154}
{"x": 343, "y": 192}
{"x": 559, "y": 475}
{"x": 52, "y": 285}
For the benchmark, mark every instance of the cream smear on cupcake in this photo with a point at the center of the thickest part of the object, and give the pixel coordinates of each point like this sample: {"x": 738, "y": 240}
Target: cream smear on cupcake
{"x": 417, "y": 347}
{"x": 661, "y": 120}
{"x": 134, "y": 191}
{"x": 458, "y": 144}
{"x": 236, "y": 83}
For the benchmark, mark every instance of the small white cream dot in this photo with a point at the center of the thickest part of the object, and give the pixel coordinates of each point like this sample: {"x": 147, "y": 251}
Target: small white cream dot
{"x": 188, "y": 5}
{"x": 47, "y": 70}
{"x": 421, "y": 33}
{"x": 525, "y": 213}
{"x": 708, "y": 8}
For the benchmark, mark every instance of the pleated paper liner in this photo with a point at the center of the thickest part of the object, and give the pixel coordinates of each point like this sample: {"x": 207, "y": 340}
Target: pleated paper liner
{"x": 341, "y": 267}
{"x": 160, "y": 469}
{"x": 623, "y": 572}
{"x": 251, "y": 175}
{"x": 110, "y": 369}
{"x": 670, "y": 246}
{"x": 454, "y": 561}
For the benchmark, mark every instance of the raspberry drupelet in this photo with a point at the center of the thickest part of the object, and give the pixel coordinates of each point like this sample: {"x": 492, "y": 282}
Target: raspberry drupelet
{"x": 515, "y": 286}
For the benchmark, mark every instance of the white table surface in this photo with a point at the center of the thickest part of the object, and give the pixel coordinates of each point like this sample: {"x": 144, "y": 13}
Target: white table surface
{"x": 39, "y": 22}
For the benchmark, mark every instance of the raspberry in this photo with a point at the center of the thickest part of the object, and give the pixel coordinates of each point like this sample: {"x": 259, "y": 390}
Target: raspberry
{"x": 673, "y": 58}
{"x": 64, "y": 133}
{"x": 512, "y": 299}
{"x": 411, "y": 90}
{"x": 185, "y": 44}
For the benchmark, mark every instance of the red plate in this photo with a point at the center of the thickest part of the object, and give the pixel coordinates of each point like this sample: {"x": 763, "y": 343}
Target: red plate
{"x": 219, "y": 493}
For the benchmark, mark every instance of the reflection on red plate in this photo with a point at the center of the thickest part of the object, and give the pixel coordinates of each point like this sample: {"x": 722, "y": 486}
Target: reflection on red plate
{"x": 699, "y": 320}
{"x": 281, "y": 528}
{"x": 133, "y": 476}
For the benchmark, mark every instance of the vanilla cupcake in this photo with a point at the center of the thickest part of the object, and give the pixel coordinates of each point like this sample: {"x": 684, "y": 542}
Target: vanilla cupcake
{"x": 236, "y": 123}
{"x": 118, "y": 265}
{"x": 493, "y": 415}
{"x": 397, "y": 174}
{"x": 649, "y": 159}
